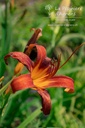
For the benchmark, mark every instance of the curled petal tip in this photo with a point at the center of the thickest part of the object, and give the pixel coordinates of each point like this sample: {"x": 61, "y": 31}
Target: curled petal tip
{"x": 47, "y": 112}
{"x": 69, "y": 90}
{"x": 34, "y": 29}
{"x": 62, "y": 81}
{"x": 21, "y": 57}
{"x": 6, "y": 57}
{"x": 37, "y": 32}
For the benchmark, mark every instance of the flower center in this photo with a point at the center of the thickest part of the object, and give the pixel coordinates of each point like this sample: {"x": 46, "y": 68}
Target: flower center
{"x": 41, "y": 76}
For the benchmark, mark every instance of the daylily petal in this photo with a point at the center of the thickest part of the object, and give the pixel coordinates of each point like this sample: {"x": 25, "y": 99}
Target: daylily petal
{"x": 29, "y": 50}
{"x": 41, "y": 54}
{"x": 33, "y": 39}
{"x": 62, "y": 81}
{"x": 46, "y": 101}
{"x": 31, "y": 53}
{"x": 38, "y": 51}
{"x": 22, "y": 82}
{"x": 24, "y": 59}
{"x": 41, "y": 57}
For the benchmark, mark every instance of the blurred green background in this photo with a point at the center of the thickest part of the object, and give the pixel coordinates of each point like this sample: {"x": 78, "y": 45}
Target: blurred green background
{"x": 61, "y": 35}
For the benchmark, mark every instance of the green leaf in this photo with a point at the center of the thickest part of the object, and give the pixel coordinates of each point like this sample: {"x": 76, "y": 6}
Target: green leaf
{"x": 5, "y": 87}
{"x": 30, "y": 118}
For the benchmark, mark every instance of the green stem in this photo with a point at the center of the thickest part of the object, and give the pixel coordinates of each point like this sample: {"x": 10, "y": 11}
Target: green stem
{"x": 30, "y": 118}
{"x": 53, "y": 42}
{"x": 5, "y": 87}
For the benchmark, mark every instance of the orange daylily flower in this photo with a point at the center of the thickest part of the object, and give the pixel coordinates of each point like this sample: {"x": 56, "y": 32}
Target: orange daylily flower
{"x": 40, "y": 76}
{"x": 29, "y": 50}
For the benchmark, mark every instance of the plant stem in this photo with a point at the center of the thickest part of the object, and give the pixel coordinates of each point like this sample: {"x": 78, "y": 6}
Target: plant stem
{"x": 53, "y": 42}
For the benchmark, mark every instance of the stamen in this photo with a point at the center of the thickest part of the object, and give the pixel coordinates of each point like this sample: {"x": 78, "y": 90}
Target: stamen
{"x": 72, "y": 54}
{"x": 54, "y": 66}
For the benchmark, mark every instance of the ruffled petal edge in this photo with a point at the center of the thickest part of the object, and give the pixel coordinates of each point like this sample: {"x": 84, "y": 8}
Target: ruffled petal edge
{"x": 21, "y": 57}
